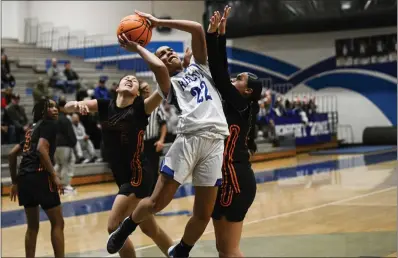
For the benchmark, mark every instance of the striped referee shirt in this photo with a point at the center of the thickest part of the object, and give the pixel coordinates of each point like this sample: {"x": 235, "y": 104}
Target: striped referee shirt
{"x": 155, "y": 121}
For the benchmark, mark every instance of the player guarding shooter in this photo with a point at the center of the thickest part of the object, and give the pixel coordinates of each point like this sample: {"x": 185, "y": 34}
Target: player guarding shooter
{"x": 198, "y": 148}
{"x": 241, "y": 96}
{"x": 37, "y": 183}
{"x": 123, "y": 121}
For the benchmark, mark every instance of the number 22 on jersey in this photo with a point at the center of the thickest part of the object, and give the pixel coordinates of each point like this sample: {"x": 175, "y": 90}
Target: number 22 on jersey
{"x": 201, "y": 93}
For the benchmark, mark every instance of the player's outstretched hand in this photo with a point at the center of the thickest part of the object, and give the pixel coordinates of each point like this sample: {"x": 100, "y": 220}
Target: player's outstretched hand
{"x": 83, "y": 108}
{"x": 127, "y": 44}
{"x": 187, "y": 57}
{"x": 151, "y": 19}
{"x": 214, "y": 22}
{"x": 223, "y": 21}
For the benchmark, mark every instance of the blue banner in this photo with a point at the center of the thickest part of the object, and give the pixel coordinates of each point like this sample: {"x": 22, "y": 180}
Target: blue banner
{"x": 316, "y": 131}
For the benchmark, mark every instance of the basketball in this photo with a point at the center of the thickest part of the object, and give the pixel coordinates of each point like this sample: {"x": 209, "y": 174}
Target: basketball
{"x": 136, "y": 28}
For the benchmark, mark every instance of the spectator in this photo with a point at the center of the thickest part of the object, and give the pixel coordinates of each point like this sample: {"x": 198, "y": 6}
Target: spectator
{"x": 6, "y": 97}
{"x": 7, "y": 129}
{"x": 312, "y": 106}
{"x": 265, "y": 119}
{"x": 81, "y": 94}
{"x": 288, "y": 105}
{"x": 278, "y": 107}
{"x": 298, "y": 110}
{"x": 57, "y": 79}
{"x": 66, "y": 141}
{"x": 7, "y": 80}
{"x": 112, "y": 92}
{"x": 3, "y": 102}
{"x": 40, "y": 90}
{"x": 71, "y": 77}
{"x": 17, "y": 116}
{"x": 83, "y": 141}
{"x": 101, "y": 92}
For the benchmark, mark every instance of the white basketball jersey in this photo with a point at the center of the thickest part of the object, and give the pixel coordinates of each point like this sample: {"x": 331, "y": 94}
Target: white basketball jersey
{"x": 199, "y": 103}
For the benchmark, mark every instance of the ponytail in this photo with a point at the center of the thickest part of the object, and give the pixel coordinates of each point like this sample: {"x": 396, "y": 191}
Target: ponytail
{"x": 254, "y": 109}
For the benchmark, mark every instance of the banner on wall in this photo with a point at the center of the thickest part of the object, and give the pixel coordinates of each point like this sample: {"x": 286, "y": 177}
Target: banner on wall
{"x": 375, "y": 49}
{"x": 316, "y": 131}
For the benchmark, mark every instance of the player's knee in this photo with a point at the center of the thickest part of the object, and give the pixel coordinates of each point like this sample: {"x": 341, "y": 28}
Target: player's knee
{"x": 112, "y": 227}
{"x": 59, "y": 223}
{"x": 33, "y": 228}
{"x": 202, "y": 216}
{"x": 155, "y": 205}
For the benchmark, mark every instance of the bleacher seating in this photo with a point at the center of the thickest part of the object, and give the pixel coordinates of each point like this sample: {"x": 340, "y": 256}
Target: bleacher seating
{"x": 28, "y": 63}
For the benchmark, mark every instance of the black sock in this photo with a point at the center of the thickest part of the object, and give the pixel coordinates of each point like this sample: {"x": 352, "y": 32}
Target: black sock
{"x": 130, "y": 225}
{"x": 182, "y": 249}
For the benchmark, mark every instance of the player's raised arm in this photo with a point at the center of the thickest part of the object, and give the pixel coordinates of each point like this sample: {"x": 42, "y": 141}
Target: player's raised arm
{"x": 157, "y": 67}
{"x": 195, "y": 28}
{"x": 83, "y": 107}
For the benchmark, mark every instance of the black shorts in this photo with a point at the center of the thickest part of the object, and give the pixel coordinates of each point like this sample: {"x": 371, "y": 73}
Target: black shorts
{"x": 37, "y": 189}
{"x": 234, "y": 206}
{"x": 140, "y": 183}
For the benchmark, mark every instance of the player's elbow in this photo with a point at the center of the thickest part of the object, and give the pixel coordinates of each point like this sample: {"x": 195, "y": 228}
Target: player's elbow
{"x": 160, "y": 67}
{"x": 198, "y": 27}
{"x": 12, "y": 156}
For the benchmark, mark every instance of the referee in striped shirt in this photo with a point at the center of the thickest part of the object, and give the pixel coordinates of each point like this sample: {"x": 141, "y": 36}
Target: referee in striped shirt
{"x": 155, "y": 132}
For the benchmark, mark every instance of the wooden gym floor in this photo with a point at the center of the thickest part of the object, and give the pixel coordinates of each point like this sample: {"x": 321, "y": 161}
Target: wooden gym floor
{"x": 306, "y": 206}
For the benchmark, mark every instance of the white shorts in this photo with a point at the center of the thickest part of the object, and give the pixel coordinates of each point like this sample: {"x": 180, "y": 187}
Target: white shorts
{"x": 197, "y": 156}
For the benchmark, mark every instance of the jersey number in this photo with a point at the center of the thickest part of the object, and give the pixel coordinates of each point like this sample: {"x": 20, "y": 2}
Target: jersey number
{"x": 196, "y": 91}
{"x": 27, "y": 144}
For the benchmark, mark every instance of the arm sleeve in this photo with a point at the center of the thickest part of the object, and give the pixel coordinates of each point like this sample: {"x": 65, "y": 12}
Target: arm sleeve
{"x": 219, "y": 72}
{"x": 222, "y": 49}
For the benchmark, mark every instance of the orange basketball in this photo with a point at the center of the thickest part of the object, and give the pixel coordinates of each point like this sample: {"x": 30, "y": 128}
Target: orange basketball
{"x": 136, "y": 28}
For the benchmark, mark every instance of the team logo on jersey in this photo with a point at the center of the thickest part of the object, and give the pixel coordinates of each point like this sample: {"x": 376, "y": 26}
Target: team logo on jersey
{"x": 190, "y": 76}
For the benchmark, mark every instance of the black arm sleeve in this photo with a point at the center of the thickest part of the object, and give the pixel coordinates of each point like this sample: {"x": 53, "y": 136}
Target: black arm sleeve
{"x": 222, "y": 49}
{"x": 220, "y": 75}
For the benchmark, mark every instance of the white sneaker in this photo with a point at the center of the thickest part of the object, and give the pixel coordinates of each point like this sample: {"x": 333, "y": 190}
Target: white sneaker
{"x": 170, "y": 251}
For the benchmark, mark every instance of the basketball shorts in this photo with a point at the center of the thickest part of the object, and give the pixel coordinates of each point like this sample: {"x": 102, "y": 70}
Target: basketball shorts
{"x": 139, "y": 182}
{"x": 232, "y": 205}
{"x": 195, "y": 156}
{"x": 36, "y": 189}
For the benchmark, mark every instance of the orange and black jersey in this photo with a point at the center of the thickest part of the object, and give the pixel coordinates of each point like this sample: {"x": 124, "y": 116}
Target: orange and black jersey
{"x": 30, "y": 162}
{"x": 122, "y": 134}
{"x": 236, "y": 107}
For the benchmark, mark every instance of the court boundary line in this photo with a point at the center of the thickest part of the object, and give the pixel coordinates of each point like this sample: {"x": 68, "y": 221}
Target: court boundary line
{"x": 286, "y": 214}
